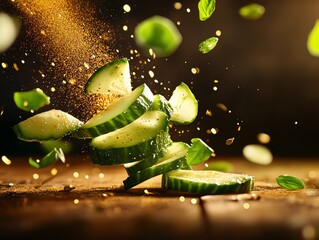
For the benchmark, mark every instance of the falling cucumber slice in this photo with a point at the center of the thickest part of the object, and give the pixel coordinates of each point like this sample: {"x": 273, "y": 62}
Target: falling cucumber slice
{"x": 207, "y": 182}
{"x": 50, "y": 125}
{"x": 118, "y": 114}
{"x": 185, "y": 105}
{"x": 145, "y": 137}
{"x": 161, "y": 103}
{"x": 159, "y": 34}
{"x": 171, "y": 161}
{"x": 113, "y": 78}
{"x": 31, "y": 100}
{"x": 175, "y": 150}
{"x": 252, "y": 11}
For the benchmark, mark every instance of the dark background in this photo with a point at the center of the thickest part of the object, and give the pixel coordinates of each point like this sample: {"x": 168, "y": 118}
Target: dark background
{"x": 266, "y": 76}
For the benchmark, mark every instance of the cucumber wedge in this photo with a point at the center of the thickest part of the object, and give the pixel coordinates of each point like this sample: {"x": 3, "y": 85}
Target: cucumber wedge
{"x": 176, "y": 149}
{"x": 207, "y": 182}
{"x": 118, "y": 114}
{"x": 145, "y": 137}
{"x": 161, "y": 103}
{"x": 185, "y": 105}
{"x": 175, "y": 158}
{"x": 113, "y": 78}
{"x": 50, "y": 125}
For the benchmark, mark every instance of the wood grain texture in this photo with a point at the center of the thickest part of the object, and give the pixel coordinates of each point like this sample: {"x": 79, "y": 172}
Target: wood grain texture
{"x": 47, "y": 207}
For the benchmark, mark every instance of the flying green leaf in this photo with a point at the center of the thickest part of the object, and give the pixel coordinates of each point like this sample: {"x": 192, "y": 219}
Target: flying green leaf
{"x": 290, "y": 182}
{"x": 208, "y": 45}
{"x": 48, "y": 159}
{"x": 313, "y": 40}
{"x": 198, "y": 152}
{"x": 206, "y": 9}
{"x": 31, "y": 100}
{"x": 252, "y": 11}
{"x": 159, "y": 34}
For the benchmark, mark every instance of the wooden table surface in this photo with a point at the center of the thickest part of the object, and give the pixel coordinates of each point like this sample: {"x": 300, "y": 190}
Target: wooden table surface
{"x": 85, "y": 201}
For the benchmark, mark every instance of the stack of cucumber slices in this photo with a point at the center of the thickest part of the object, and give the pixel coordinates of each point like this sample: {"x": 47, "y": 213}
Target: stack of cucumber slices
{"x": 134, "y": 131}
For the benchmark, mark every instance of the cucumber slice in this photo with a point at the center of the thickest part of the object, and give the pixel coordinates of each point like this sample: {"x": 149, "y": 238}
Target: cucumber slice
{"x": 176, "y": 149}
{"x": 119, "y": 113}
{"x": 174, "y": 159}
{"x": 185, "y": 105}
{"x": 113, "y": 78}
{"x": 49, "y": 125}
{"x": 145, "y": 137}
{"x": 207, "y": 182}
{"x": 161, "y": 103}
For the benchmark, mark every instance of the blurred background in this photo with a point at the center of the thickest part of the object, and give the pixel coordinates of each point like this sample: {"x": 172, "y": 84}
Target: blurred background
{"x": 260, "y": 78}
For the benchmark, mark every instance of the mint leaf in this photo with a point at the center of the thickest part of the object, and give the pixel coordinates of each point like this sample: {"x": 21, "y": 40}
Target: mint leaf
{"x": 206, "y": 9}
{"x": 198, "y": 152}
{"x": 48, "y": 159}
{"x": 313, "y": 40}
{"x": 290, "y": 182}
{"x": 208, "y": 45}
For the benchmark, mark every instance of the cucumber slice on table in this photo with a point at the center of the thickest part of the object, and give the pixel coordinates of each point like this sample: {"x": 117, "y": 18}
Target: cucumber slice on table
{"x": 49, "y": 125}
{"x": 113, "y": 78}
{"x": 145, "y": 137}
{"x": 185, "y": 105}
{"x": 207, "y": 182}
{"x": 118, "y": 114}
{"x": 175, "y": 158}
{"x": 176, "y": 149}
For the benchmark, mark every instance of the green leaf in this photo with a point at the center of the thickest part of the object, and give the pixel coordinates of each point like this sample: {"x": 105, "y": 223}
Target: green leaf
{"x": 313, "y": 40}
{"x": 198, "y": 152}
{"x": 290, "y": 182}
{"x": 159, "y": 34}
{"x": 31, "y": 100}
{"x": 48, "y": 159}
{"x": 252, "y": 11}
{"x": 206, "y": 9}
{"x": 208, "y": 45}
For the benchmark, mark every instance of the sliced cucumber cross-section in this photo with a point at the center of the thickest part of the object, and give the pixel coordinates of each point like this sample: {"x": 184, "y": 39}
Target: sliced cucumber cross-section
{"x": 185, "y": 105}
{"x": 207, "y": 182}
{"x": 175, "y": 158}
{"x": 113, "y": 78}
{"x": 49, "y": 125}
{"x": 176, "y": 149}
{"x": 118, "y": 114}
{"x": 146, "y": 136}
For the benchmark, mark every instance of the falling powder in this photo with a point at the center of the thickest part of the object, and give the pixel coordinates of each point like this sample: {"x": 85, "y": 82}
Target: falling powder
{"x": 68, "y": 37}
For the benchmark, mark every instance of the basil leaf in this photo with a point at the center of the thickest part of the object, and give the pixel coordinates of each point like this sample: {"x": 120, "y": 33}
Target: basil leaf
{"x": 206, "y": 9}
{"x": 31, "y": 100}
{"x": 290, "y": 182}
{"x": 208, "y": 45}
{"x": 48, "y": 159}
{"x": 198, "y": 152}
{"x": 252, "y": 11}
{"x": 313, "y": 40}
